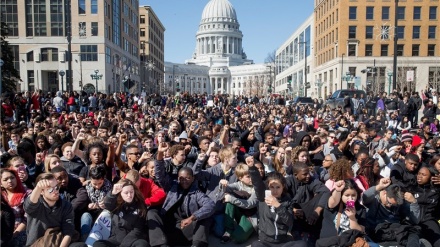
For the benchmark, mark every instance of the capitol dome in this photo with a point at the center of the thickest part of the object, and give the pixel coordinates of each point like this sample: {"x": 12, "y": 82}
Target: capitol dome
{"x": 219, "y": 10}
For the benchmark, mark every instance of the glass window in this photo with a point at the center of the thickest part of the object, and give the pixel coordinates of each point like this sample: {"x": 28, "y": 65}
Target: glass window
{"x": 384, "y": 50}
{"x": 385, "y": 13}
{"x": 401, "y": 32}
{"x": 352, "y": 32}
{"x": 433, "y": 12}
{"x": 352, "y": 15}
{"x": 49, "y": 54}
{"x": 351, "y": 50}
{"x": 142, "y": 33}
{"x": 415, "y": 50}
{"x": 369, "y": 32}
{"x": 431, "y": 32}
{"x": 89, "y": 52}
{"x": 116, "y": 23}
{"x": 108, "y": 55}
{"x": 417, "y": 12}
{"x": 94, "y": 6}
{"x": 400, "y": 50}
{"x": 401, "y": 13}
{"x": 368, "y": 50}
{"x": 81, "y": 7}
{"x": 142, "y": 19}
{"x": 94, "y": 28}
{"x": 10, "y": 16}
{"x": 431, "y": 50}
{"x": 56, "y": 18}
{"x": 30, "y": 56}
{"x": 416, "y": 32}
{"x": 370, "y": 13}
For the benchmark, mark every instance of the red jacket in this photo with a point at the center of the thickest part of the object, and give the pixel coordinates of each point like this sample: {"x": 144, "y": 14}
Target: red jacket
{"x": 8, "y": 110}
{"x": 153, "y": 194}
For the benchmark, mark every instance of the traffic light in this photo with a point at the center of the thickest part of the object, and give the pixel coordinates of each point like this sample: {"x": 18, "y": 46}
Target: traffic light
{"x": 289, "y": 81}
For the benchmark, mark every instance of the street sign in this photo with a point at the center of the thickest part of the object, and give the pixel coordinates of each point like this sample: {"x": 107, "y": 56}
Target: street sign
{"x": 410, "y": 75}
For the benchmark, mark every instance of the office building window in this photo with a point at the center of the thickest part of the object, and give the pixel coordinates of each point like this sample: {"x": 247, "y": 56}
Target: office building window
{"x": 384, "y": 50}
{"x": 368, "y": 50}
{"x": 352, "y": 14}
{"x": 116, "y": 22}
{"x": 352, "y": 50}
{"x": 352, "y": 32}
{"x": 401, "y": 13}
{"x": 431, "y": 50}
{"x": 94, "y": 28}
{"x": 31, "y": 80}
{"x": 49, "y": 54}
{"x": 142, "y": 19}
{"x": 89, "y": 52}
{"x": 142, "y": 33}
{"x": 370, "y": 13}
{"x": 416, "y": 32}
{"x": 29, "y": 23}
{"x": 10, "y": 16}
{"x": 369, "y": 32}
{"x": 82, "y": 7}
{"x": 82, "y": 30}
{"x": 40, "y": 20}
{"x": 417, "y": 12}
{"x": 433, "y": 12}
{"x": 385, "y": 13}
{"x": 400, "y": 50}
{"x": 56, "y": 18}
{"x": 415, "y": 50}
{"x": 30, "y": 56}
{"x": 431, "y": 32}
{"x": 94, "y": 6}
{"x": 401, "y": 32}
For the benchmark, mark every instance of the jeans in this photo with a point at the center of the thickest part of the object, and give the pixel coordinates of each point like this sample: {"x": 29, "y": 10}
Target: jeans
{"x": 219, "y": 225}
{"x": 86, "y": 225}
{"x": 83, "y": 109}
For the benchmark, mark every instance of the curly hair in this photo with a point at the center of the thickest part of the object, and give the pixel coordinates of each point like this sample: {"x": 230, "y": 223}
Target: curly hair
{"x": 175, "y": 149}
{"x": 341, "y": 170}
{"x": 366, "y": 170}
{"x": 295, "y": 154}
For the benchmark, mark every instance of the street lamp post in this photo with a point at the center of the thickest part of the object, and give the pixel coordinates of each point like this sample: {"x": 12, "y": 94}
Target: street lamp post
{"x": 96, "y": 77}
{"x": 390, "y": 74}
{"x": 269, "y": 90}
{"x": 342, "y": 69}
{"x": 149, "y": 66}
{"x": 62, "y": 73}
{"x": 396, "y": 5}
{"x": 174, "y": 80}
{"x": 184, "y": 82}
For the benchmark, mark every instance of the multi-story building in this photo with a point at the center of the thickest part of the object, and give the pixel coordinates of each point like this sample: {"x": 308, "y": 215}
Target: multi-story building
{"x": 291, "y": 60}
{"x": 354, "y": 45}
{"x": 104, "y": 41}
{"x": 151, "y": 32}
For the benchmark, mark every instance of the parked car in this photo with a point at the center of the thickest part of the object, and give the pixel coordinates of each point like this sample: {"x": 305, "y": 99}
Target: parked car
{"x": 300, "y": 101}
{"x": 337, "y": 98}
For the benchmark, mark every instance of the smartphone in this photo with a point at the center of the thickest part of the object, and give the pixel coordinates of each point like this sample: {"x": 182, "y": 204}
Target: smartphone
{"x": 267, "y": 193}
{"x": 350, "y": 204}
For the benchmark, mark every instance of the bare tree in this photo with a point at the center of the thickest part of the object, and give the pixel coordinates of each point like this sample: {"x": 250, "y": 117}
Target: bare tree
{"x": 270, "y": 58}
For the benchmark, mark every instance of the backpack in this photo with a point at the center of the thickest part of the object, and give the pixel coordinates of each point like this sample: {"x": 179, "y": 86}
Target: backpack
{"x": 85, "y": 101}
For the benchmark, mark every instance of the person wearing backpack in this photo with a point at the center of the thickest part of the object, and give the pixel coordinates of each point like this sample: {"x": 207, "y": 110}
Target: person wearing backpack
{"x": 84, "y": 102}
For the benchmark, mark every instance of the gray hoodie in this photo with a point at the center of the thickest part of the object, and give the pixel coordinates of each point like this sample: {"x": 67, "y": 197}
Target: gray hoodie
{"x": 58, "y": 102}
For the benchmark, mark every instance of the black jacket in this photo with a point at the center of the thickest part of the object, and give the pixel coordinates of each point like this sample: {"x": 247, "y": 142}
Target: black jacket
{"x": 428, "y": 199}
{"x": 401, "y": 176}
{"x": 127, "y": 224}
{"x": 274, "y": 223}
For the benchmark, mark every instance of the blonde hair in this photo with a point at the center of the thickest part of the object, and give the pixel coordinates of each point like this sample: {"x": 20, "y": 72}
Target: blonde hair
{"x": 132, "y": 175}
{"x": 226, "y": 153}
{"x": 47, "y": 161}
{"x": 13, "y": 159}
{"x": 241, "y": 170}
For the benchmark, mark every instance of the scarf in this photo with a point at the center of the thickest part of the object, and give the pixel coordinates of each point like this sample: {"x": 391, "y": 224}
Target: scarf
{"x": 97, "y": 195}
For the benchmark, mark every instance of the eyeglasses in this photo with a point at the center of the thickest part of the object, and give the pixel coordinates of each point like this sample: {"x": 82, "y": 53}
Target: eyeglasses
{"x": 52, "y": 189}
{"x": 134, "y": 154}
{"x": 329, "y": 160}
{"x": 332, "y": 136}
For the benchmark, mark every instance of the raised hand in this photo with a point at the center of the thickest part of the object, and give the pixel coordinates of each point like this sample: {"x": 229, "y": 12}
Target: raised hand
{"x": 250, "y": 161}
{"x": 123, "y": 138}
{"x": 201, "y": 156}
{"x": 163, "y": 147}
{"x": 339, "y": 186}
{"x": 116, "y": 189}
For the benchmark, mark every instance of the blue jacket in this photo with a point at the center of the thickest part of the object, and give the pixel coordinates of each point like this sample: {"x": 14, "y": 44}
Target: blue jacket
{"x": 195, "y": 202}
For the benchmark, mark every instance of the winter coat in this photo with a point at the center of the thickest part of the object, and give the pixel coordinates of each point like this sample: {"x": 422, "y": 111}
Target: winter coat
{"x": 153, "y": 194}
{"x": 401, "y": 176}
{"x": 427, "y": 197}
{"x": 274, "y": 223}
{"x": 127, "y": 225}
{"x": 170, "y": 169}
{"x": 195, "y": 202}
{"x": 72, "y": 166}
{"x": 303, "y": 192}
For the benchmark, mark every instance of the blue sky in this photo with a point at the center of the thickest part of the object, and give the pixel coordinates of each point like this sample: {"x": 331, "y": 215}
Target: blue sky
{"x": 265, "y": 24}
